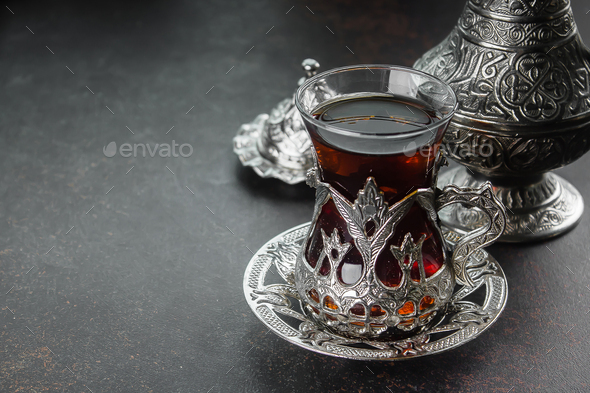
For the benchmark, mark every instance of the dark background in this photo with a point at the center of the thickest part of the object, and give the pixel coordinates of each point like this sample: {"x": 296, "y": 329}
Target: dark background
{"x": 143, "y": 293}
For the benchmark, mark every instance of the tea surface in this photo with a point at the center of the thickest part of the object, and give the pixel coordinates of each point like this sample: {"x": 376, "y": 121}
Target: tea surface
{"x": 380, "y": 137}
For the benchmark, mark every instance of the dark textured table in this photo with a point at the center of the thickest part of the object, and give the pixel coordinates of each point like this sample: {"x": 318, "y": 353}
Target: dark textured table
{"x": 124, "y": 274}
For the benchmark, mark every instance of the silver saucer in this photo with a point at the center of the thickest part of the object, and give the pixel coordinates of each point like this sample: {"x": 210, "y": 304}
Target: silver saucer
{"x": 270, "y": 292}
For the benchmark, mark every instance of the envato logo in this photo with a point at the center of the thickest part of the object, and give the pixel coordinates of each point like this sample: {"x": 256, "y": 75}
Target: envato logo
{"x": 464, "y": 151}
{"x": 140, "y": 149}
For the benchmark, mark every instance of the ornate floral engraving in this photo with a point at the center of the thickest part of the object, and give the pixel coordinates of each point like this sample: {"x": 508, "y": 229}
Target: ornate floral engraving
{"x": 510, "y": 95}
{"x": 367, "y": 293}
{"x": 515, "y": 155}
{"x": 522, "y": 78}
{"x": 520, "y": 8}
{"x": 511, "y": 70}
{"x": 370, "y": 206}
{"x": 510, "y": 34}
{"x": 508, "y": 86}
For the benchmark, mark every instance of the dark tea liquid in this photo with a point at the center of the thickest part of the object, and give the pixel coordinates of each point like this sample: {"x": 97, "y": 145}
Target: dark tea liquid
{"x": 398, "y": 165}
{"x": 401, "y": 166}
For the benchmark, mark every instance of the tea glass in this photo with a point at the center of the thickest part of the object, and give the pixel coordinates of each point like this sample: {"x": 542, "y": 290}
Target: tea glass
{"x": 375, "y": 263}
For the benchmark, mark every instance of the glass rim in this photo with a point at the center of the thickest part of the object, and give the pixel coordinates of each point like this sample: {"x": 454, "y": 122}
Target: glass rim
{"x": 344, "y": 132}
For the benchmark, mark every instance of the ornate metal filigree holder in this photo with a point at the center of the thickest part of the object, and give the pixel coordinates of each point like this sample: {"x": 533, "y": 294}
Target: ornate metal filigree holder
{"x": 278, "y": 145}
{"x": 522, "y": 77}
{"x": 365, "y": 306}
{"x": 275, "y": 301}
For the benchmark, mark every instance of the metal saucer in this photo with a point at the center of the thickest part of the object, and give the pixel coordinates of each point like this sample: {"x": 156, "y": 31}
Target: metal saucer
{"x": 278, "y": 145}
{"x": 271, "y": 294}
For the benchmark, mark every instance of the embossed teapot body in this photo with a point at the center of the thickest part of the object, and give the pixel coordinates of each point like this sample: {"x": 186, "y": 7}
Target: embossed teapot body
{"x": 522, "y": 78}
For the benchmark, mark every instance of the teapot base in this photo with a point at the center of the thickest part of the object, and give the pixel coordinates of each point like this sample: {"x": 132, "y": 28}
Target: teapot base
{"x": 543, "y": 209}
